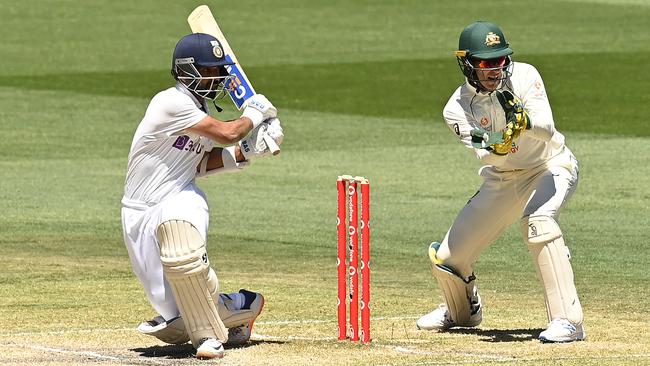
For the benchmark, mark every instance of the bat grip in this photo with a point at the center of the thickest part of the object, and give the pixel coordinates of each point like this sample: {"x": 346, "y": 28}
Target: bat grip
{"x": 270, "y": 142}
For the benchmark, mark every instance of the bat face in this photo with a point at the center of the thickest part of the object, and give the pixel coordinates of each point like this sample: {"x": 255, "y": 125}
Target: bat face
{"x": 239, "y": 88}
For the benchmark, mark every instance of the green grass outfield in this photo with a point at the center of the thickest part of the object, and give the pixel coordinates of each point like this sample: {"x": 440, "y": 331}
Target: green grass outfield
{"x": 360, "y": 86}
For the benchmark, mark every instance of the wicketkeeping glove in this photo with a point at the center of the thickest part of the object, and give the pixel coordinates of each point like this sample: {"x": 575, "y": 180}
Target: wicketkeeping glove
{"x": 482, "y": 139}
{"x": 517, "y": 120}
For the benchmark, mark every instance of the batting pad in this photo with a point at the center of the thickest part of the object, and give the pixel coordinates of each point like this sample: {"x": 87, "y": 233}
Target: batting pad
{"x": 457, "y": 292}
{"x": 172, "y": 331}
{"x": 225, "y": 307}
{"x": 233, "y": 318}
{"x": 187, "y": 269}
{"x": 551, "y": 257}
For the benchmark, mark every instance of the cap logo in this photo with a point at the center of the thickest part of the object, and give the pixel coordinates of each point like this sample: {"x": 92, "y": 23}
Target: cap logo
{"x": 492, "y": 39}
{"x": 216, "y": 49}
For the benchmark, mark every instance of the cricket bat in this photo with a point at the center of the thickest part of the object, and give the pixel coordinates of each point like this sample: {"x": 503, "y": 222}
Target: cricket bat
{"x": 240, "y": 89}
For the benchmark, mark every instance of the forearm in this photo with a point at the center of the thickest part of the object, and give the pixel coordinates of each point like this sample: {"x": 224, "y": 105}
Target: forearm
{"x": 233, "y": 131}
{"x": 226, "y": 133}
{"x": 221, "y": 160}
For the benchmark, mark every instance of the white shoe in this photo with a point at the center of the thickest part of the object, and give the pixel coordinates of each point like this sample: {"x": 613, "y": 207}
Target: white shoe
{"x": 440, "y": 320}
{"x": 562, "y": 330}
{"x": 209, "y": 348}
{"x": 242, "y": 334}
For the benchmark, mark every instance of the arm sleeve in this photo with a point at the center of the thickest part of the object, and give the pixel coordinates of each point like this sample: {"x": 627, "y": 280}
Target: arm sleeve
{"x": 537, "y": 106}
{"x": 170, "y": 114}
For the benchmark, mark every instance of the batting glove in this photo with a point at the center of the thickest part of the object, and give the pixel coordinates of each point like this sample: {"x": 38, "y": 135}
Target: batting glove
{"x": 274, "y": 130}
{"x": 258, "y": 109}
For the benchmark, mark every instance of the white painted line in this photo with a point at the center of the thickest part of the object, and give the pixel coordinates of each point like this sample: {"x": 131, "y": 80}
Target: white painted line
{"x": 61, "y": 350}
{"x": 271, "y": 322}
{"x": 474, "y": 358}
{"x": 263, "y": 337}
{"x": 315, "y": 321}
{"x": 59, "y": 332}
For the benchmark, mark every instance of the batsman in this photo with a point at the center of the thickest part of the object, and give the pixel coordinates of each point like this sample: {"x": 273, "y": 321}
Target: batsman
{"x": 164, "y": 213}
{"x": 502, "y": 115}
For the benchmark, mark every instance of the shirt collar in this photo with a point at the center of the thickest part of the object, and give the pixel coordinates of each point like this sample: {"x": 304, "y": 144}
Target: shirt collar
{"x": 183, "y": 89}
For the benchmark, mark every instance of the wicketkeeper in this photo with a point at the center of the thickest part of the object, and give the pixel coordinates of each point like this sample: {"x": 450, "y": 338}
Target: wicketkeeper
{"x": 165, "y": 215}
{"x": 502, "y": 114}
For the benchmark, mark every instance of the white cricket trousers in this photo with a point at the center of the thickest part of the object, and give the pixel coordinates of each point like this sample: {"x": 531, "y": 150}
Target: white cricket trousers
{"x": 502, "y": 198}
{"x": 139, "y": 224}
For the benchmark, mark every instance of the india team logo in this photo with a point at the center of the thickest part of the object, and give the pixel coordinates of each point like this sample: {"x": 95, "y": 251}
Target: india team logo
{"x": 216, "y": 49}
{"x": 492, "y": 39}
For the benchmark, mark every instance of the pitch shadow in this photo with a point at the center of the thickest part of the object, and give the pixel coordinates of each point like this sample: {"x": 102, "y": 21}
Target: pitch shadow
{"x": 502, "y": 335}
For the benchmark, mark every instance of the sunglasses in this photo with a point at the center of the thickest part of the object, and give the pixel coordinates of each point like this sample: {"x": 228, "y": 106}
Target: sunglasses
{"x": 493, "y": 63}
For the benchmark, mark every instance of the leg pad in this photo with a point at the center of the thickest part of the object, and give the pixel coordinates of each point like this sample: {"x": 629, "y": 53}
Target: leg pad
{"x": 187, "y": 269}
{"x": 551, "y": 258}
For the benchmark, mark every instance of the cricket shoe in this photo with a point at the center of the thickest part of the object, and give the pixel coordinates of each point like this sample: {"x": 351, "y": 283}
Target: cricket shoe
{"x": 242, "y": 334}
{"x": 562, "y": 330}
{"x": 440, "y": 320}
{"x": 209, "y": 348}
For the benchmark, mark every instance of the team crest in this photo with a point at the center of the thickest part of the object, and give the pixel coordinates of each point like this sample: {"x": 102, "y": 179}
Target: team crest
{"x": 484, "y": 121}
{"x": 492, "y": 39}
{"x": 216, "y": 49}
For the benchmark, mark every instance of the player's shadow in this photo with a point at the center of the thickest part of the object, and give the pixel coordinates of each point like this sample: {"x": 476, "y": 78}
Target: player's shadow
{"x": 167, "y": 351}
{"x": 172, "y": 351}
{"x": 502, "y": 335}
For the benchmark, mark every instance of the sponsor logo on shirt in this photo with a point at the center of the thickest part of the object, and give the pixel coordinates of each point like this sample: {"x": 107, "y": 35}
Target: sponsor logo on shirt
{"x": 514, "y": 148}
{"x": 484, "y": 121}
{"x": 185, "y": 143}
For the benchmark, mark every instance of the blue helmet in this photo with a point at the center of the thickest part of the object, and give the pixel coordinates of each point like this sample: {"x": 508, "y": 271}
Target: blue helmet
{"x": 199, "y": 63}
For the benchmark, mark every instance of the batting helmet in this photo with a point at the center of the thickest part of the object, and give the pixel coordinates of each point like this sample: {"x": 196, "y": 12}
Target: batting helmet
{"x": 194, "y": 56}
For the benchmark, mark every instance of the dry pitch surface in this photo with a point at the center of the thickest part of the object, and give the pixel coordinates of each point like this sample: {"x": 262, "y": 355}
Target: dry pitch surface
{"x": 395, "y": 342}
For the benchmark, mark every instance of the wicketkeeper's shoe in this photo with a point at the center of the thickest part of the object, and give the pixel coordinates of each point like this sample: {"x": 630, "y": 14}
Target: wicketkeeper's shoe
{"x": 439, "y": 319}
{"x": 242, "y": 334}
{"x": 209, "y": 348}
{"x": 562, "y": 330}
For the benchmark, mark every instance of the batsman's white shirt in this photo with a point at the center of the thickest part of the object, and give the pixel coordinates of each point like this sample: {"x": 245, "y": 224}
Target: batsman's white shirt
{"x": 160, "y": 186}
{"x": 537, "y": 176}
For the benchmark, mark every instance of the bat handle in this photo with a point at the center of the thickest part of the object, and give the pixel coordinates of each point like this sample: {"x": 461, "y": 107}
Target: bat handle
{"x": 270, "y": 142}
